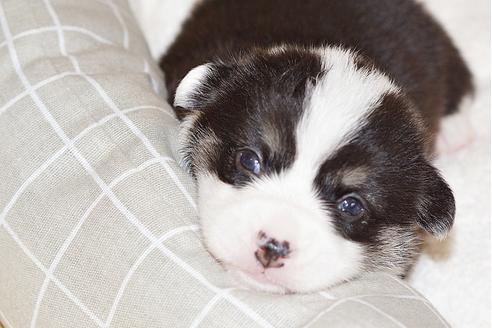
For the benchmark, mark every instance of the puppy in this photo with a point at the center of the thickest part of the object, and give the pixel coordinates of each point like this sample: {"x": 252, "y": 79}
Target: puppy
{"x": 309, "y": 126}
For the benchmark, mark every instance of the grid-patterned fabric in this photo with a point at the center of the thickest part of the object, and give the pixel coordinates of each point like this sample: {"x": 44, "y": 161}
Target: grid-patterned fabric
{"x": 98, "y": 224}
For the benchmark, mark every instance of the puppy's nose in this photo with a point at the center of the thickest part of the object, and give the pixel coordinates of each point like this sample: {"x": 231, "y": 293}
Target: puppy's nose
{"x": 271, "y": 252}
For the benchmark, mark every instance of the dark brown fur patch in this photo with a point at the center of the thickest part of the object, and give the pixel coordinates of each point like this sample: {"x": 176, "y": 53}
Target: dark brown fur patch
{"x": 262, "y": 100}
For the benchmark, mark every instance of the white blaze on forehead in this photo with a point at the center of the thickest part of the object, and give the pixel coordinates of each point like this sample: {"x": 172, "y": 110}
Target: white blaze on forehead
{"x": 335, "y": 106}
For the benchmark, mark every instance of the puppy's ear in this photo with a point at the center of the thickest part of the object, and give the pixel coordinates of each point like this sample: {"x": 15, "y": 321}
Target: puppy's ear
{"x": 436, "y": 209}
{"x": 199, "y": 87}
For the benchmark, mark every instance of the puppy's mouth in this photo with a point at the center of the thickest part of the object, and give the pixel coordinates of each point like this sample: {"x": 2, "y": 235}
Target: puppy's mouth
{"x": 257, "y": 281}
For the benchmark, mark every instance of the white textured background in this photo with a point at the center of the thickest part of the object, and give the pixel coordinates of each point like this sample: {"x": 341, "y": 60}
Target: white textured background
{"x": 456, "y": 277}
{"x": 455, "y": 274}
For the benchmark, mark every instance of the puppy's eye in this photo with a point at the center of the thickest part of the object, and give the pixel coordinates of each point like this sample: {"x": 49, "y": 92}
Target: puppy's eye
{"x": 248, "y": 161}
{"x": 351, "y": 206}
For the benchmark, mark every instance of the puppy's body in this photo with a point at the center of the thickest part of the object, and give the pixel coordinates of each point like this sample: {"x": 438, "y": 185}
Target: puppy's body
{"x": 397, "y": 35}
{"x": 332, "y": 101}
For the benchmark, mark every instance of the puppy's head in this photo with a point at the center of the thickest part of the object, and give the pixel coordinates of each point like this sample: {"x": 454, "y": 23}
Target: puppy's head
{"x": 311, "y": 167}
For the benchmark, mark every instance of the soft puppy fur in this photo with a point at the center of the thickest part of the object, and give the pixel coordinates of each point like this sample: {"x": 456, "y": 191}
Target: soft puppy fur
{"x": 309, "y": 126}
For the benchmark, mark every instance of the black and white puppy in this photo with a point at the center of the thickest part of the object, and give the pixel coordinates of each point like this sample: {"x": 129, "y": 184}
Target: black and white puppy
{"x": 309, "y": 126}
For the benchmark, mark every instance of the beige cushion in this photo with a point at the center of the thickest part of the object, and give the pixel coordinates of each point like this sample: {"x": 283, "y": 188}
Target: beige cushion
{"x": 98, "y": 224}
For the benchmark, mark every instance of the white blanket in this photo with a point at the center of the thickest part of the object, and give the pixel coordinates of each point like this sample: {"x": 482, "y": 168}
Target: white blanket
{"x": 455, "y": 275}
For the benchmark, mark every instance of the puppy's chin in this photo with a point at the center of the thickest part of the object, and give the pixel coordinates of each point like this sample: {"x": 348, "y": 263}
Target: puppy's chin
{"x": 257, "y": 281}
